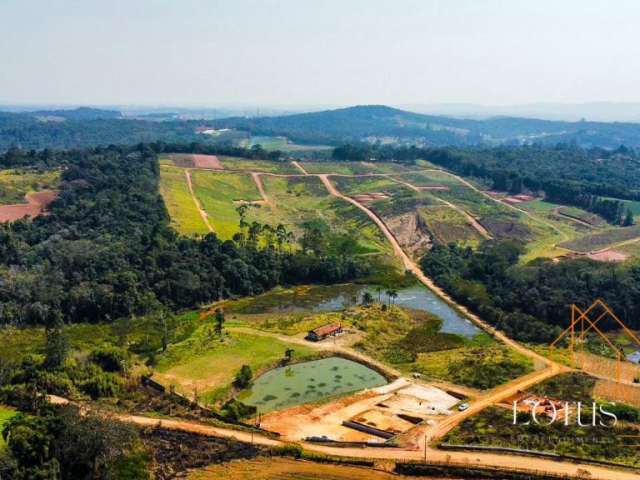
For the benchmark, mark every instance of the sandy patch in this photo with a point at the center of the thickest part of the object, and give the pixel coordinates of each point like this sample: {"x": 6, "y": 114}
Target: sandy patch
{"x": 36, "y": 205}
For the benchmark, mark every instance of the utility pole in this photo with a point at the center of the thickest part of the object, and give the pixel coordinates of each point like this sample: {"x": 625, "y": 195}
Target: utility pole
{"x": 425, "y": 448}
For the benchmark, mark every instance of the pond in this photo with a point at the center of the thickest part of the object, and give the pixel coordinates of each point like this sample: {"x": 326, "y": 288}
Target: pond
{"x": 310, "y": 382}
{"x": 421, "y": 298}
{"x": 339, "y": 297}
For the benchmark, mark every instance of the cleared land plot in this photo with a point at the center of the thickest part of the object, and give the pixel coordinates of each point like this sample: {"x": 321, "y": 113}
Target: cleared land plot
{"x": 220, "y": 194}
{"x": 15, "y": 184}
{"x": 448, "y": 225}
{"x": 582, "y": 215}
{"x": 185, "y": 217}
{"x": 26, "y": 193}
{"x": 631, "y": 249}
{"x": 598, "y": 241}
{"x": 204, "y": 365}
{"x": 266, "y": 166}
{"x": 362, "y": 185}
{"x": 37, "y": 203}
{"x": 187, "y": 160}
{"x": 429, "y": 179}
{"x": 273, "y": 468}
{"x": 343, "y": 168}
{"x": 6, "y": 414}
{"x": 284, "y": 145}
{"x": 301, "y": 199}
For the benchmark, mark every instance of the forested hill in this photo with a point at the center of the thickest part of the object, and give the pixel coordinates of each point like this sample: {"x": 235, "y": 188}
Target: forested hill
{"x": 360, "y": 122}
{"x": 87, "y": 128}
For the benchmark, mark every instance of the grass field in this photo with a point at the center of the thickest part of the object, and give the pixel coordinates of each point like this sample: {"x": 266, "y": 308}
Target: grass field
{"x": 205, "y": 365}
{"x": 354, "y": 186}
{"x": 355, "y": 168}
{"x": 238, "y": 163}
{"x": 5, "y": 414}
{"x": 343, "y": 168}
{"x": 219, "y": 194}
{"x": 183, "y": 211}
{"x": 139, "y": 334}
{"x": 598, "y": 241}
{"x": 15, "y": 184}
{"x": 282, "y": 144}
{"x": 274, "y": 468}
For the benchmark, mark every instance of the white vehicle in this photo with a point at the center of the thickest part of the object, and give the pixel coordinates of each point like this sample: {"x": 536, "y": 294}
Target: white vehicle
{"x": 463, "y": 406}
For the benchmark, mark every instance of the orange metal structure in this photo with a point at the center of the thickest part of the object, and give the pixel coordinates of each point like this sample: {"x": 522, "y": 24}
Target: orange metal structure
{"x": 581, "y": 324}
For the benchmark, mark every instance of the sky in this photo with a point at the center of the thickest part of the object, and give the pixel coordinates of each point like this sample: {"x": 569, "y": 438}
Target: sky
{"x": 314, "y": 52}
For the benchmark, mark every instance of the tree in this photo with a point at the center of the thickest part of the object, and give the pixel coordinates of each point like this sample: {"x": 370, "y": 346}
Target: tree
{"x": 281, "y": 236}
{"x": 243, "y": 377}
{"x": 367, "y": 298}
{"x": 379, "y": 290}
{"x": 628, "y": 219}
{"x": 392, "y": 294}
{"x": 219, "y": 319}
{"x": 288, "y": 355}
{"x": 57, "y": 346}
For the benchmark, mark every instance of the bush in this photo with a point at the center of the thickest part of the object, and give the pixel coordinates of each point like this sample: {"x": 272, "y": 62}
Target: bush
{"x": 235, "y": 410}
{"x": 243, "y": 377}
{"x": 110, "y": 358}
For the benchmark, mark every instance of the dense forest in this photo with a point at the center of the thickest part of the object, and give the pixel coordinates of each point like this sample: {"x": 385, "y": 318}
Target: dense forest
{"x": 86, "y": 128}
{"x": 106, "y": 250}
{"x": 531, "y": 302}
{"x": 567, "y": 174}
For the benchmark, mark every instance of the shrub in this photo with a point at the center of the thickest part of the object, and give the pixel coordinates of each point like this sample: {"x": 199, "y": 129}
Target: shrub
{"x": 243, "y": 377}
{"x": 110, "y": 358}
{"x": 235, "y": 410}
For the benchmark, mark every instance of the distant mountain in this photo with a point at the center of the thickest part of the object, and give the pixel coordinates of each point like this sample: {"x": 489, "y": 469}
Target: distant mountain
{"x": 378, "y": 122}
{"x": 81, "y": 113}
{"x": 570, "y": 112}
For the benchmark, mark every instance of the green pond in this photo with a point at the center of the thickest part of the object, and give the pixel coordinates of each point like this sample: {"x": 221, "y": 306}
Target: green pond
{"x": 310, "y": 382}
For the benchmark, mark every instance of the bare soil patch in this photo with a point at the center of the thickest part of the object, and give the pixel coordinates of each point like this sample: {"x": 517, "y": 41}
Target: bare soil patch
{"x": 608, "y": 256}
{"x": 36, "y": 205}
{"x": 370, "y": 197}
{"x": 410, "y": 232}
{"x": 207, "y": 161}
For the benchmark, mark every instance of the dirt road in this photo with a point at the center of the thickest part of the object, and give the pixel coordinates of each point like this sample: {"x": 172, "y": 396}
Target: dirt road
{"x": 299, "y": 167}
{"x": 203, "y": 213}
{"x": 258, "y": 181}
{"x": 410, "y": 265}
{"x": 506, "y": 462}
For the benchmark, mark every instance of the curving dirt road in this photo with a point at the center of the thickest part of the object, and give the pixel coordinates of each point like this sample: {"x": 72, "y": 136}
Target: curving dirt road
{"x": 505, "y": 462}
{"x": 203, "y": 213}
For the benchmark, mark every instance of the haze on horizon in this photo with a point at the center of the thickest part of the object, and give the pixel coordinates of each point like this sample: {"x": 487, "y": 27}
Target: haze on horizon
{"x": 321, "y": 53}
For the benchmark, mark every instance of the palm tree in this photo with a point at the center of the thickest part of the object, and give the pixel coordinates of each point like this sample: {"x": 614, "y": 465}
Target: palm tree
{"x": 367, "y": 298}
{"x": 379, "y": 290}
{"x": 391, "y": 293}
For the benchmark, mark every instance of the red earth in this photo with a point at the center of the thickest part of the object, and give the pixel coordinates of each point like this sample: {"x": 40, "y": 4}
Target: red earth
{"x": 206, "y": 161}
{"x": 37, "y": 204}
